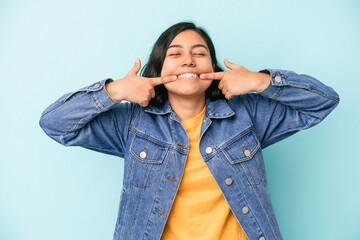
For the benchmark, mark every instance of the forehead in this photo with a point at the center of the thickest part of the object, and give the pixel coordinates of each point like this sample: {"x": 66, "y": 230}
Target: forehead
{"x": 188, "y": 38}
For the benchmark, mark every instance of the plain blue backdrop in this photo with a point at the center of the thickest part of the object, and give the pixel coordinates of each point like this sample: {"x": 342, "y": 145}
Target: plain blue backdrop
{"x": 49, "y": 48}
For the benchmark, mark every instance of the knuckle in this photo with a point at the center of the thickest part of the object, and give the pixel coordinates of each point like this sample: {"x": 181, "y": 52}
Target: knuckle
{"x": 149, "y": 89}
{"x": 143, "y": 103}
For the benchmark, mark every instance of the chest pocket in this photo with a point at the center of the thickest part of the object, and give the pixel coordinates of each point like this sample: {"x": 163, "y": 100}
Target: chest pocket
{"x": 243, "y": 153}
{"x": 146, "y": 159}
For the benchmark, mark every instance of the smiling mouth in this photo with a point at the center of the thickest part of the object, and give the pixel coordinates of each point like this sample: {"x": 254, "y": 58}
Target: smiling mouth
{"x": 188, "y": 75}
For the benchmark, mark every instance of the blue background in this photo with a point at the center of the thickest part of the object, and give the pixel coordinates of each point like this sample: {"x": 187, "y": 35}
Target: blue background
{"x": 49, "y": 48}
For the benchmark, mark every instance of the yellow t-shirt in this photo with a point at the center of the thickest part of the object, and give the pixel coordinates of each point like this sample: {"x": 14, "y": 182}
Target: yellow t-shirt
{"x": 200, "y": 211}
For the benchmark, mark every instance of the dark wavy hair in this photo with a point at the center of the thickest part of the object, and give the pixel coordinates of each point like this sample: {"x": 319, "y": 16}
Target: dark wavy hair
{"x": 157, "y": 57}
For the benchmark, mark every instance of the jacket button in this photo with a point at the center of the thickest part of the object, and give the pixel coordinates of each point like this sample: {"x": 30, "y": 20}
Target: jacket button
{"x": 228, "y": 181}
{"x": 245, "y": 210}
{"x": 247, "y": 153}
{"x": 278, "y": 80}
{"x": 208, "y": 150}
{"x": 143, "y": 154}
{"x": 262, "y": 238}
{"x": 97, "y": 85}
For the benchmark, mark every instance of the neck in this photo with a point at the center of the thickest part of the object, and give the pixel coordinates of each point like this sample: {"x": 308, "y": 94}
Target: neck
{"x": 187, "y": 108}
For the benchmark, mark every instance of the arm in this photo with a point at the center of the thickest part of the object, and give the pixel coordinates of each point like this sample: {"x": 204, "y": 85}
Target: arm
{"x": 95, "y": 117}
{"x": 285, "y": 102}
{"x": 89, "y": 118}
{"x": 291, "y": 102}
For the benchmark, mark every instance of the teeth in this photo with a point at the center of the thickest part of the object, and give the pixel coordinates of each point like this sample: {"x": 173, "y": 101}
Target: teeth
{"x": 188, "y": 75}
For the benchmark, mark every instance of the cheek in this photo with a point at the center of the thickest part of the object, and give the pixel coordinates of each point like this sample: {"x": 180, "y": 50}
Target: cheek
{"x": 207, "y": 66}
{"x": 167, "y": 68}
{"x": 207, "y": 84}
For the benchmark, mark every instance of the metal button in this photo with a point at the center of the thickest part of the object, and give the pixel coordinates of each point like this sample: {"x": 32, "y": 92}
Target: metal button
{"x": 245, "y": 210}
{"x": 143, "y": 154}
{"x": 247, "y": 153}
{"x": 262, "y": 238}
{"x": 97, "y": 85}
{"x": 208, "y": 150}
{"x": 278, "y": 80}
{"x": 228, "y": 181}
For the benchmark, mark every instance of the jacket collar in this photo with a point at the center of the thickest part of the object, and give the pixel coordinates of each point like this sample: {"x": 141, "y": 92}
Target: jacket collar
{"x": 214, "y": 109}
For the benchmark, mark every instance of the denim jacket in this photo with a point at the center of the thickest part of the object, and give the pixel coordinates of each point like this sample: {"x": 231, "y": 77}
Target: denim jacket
{"x": 155, "y": 146}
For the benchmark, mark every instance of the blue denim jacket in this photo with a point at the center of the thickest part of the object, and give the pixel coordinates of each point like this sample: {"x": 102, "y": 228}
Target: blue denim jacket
{"x": 154, "y": 146}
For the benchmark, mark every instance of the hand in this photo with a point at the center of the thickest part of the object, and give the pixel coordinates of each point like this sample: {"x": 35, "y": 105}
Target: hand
{"x": 238, "y": 80}
{"x": 134, "y": 88}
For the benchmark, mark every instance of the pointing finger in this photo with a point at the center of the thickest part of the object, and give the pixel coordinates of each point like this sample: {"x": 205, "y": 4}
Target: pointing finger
{"x": 163, "y": 80}
{"x": 212, "y": 76}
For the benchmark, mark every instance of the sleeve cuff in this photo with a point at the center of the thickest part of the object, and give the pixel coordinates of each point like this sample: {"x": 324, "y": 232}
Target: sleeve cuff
{"x": 277, "y": 81}
{"x": 100, "y": 96}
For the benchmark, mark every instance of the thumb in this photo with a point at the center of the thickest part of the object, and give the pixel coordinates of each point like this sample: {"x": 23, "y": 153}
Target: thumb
{"x": 230, "y": 65}
{"x": 137, "y": 66}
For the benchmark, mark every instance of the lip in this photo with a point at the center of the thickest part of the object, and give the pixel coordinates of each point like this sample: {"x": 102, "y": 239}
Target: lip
{"x": 188, "y": 73}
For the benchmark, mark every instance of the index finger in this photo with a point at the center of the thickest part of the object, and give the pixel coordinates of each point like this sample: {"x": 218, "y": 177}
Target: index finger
{"x": 212, "y": 76}
{"x": 162, "y": 80}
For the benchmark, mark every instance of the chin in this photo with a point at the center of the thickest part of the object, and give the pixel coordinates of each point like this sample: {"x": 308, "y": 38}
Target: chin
{"x": 187, "y": 94}
{"x": 187, "y": 90}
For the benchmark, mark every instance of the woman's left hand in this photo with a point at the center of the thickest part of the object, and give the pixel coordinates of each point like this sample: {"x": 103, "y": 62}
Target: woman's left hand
{"x": 238, "y": 80}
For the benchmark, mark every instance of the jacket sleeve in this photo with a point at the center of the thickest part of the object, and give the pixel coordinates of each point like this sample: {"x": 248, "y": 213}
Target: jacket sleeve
{"x": 89, "y": 118}
{"x": 292, "y": 102}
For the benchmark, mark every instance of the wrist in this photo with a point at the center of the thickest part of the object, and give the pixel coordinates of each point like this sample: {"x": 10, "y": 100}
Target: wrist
{"x": 114, "y": 90}
{"x": 262, "y": 81}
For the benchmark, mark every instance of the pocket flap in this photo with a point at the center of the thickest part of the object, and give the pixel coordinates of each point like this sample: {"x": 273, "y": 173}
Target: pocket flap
{"x": 148, "y": 151}
{"x": 242, "y": 147}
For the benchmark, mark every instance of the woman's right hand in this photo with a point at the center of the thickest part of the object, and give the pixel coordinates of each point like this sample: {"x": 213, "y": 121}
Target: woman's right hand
{"x": 134, "y": 88}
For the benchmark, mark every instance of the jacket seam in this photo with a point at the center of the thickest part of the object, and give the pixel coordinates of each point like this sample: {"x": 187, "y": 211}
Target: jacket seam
{"x": 141, "y": 191}
{"x": 153, "y": 205}
{"x": 294, "y": 130}
{"x": 98, "y": 105}
{"x": 264, "y": 207}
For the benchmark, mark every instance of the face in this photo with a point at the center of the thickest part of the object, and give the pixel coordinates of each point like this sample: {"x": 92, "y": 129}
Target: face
{"x": 187, "y": 57}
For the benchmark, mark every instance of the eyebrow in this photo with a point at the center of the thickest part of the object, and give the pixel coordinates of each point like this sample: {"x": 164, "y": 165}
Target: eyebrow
{"x": 192, "y": 47}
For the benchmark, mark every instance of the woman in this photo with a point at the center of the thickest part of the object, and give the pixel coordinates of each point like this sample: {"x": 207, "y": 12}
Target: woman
{"x": 191, "y": 145}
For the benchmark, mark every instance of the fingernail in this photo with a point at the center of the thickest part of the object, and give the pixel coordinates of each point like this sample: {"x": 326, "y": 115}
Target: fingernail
{"x": 201, "y": 75}
{"x": 174, "y": 77}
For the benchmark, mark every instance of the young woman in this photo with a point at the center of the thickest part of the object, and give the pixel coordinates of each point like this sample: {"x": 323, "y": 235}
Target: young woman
{"x": 191, "y": 137}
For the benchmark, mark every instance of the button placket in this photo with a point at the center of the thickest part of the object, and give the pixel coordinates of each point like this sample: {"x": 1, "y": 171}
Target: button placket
{"x": 245, "y": 210}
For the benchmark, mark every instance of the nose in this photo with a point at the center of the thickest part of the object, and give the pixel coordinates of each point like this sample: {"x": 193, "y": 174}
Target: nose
{"x": 188, "y": 61}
